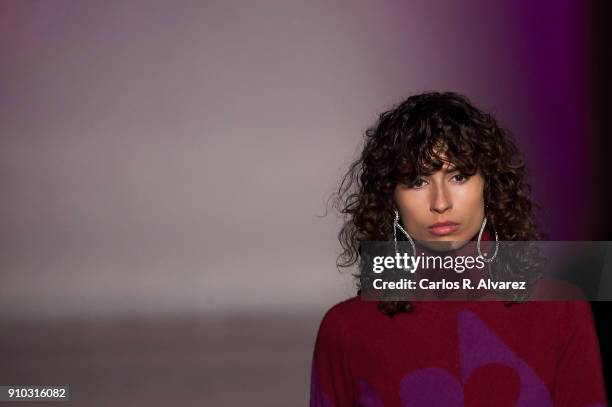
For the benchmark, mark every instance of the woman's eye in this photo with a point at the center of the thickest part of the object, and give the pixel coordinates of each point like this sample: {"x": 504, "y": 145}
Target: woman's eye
{"x": 418, "y": 183}
{"x": 460, "y": 177}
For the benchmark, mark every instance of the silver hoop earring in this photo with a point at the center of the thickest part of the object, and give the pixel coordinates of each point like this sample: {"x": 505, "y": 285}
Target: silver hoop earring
{"x": 490, "y": 259}
{"x": 396, "y": 225}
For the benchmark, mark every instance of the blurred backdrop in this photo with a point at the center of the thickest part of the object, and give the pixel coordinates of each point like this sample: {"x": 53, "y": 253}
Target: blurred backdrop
{"x": 165, "y": 166}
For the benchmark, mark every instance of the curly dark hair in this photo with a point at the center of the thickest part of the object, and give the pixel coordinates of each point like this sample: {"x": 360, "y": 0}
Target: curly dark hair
{"x": 405, "y": 144}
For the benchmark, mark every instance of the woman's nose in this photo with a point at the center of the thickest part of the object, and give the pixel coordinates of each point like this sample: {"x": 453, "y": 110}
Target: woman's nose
{"x": 441, "y": 200}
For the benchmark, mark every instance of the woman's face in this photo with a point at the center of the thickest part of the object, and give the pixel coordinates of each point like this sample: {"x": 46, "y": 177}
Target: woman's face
{"x": 444, "y": 209}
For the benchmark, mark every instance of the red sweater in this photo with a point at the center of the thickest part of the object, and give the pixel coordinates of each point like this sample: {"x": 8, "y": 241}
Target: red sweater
{"x": 458, "y": 353}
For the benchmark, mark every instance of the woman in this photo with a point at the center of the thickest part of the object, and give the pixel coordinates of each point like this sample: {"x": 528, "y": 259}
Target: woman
{"x": 439, "y": 170}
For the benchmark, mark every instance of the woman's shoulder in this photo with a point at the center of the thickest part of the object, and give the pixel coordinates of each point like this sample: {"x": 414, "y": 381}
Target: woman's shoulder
{"x": 350, "y": 308}
{"x": 348, "y": 312}
{"x": 550, "y": 289}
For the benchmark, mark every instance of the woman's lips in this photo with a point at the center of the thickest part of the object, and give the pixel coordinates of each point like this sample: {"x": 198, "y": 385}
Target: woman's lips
{"x": 443, "y": 229}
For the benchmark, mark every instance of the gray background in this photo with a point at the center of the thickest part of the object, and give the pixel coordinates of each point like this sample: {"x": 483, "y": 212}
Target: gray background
{"x": 163, "y": 158}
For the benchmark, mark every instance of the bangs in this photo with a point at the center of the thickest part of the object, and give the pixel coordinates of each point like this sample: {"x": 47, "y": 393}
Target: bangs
{"x": 425, "y": 157}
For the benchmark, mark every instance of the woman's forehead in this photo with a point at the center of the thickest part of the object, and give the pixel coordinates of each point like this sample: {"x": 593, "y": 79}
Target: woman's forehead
{"x": 446, "y": 165}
